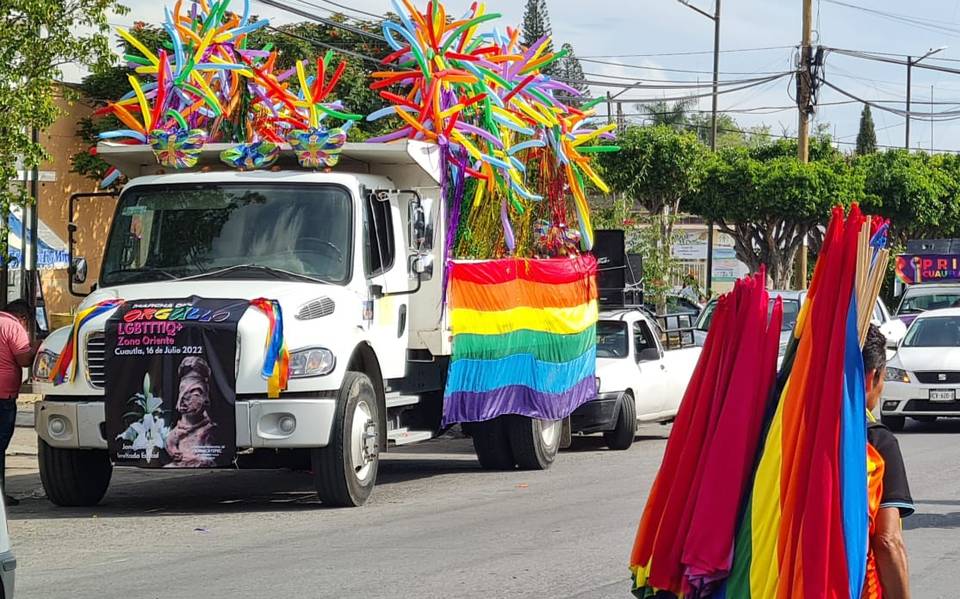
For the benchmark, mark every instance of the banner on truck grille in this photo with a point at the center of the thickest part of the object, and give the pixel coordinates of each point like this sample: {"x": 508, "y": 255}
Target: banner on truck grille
{"x": 171, "y": 382}
{"x": 524, "y": 338}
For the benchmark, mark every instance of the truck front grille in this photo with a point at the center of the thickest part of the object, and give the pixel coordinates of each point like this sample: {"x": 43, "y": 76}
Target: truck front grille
{"x": 95, "y": 359}
{"x": 938, "y": 377}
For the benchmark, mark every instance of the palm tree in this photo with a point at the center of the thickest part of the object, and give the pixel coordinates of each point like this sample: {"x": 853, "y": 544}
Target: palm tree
{"x": 672, "y": 115}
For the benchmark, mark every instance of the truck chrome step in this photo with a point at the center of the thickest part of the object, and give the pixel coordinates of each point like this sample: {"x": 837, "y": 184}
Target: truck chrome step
{"x": 403, "y": 436}
{"x": 395, "y": 400}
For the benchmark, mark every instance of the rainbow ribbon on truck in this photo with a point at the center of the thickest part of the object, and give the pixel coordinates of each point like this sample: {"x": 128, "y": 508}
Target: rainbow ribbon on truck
{"x": 524, "y": 338}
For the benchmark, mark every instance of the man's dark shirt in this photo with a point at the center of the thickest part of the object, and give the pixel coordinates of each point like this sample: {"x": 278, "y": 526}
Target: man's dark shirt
{"x": 896, "y": 490}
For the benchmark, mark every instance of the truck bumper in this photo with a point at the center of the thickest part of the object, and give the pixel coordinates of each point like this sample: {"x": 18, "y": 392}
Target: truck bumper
{"x": 598, "y": 414}
{"x": 261, "y": 423}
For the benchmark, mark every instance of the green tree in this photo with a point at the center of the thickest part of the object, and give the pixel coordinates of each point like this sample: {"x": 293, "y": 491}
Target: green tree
{"x": 38, "y": 37}
{"x": 570, "y": 71}
{"x": 655, "y": 170}
{"x": 769, "y": 202}
{"x": 675, "y": 115}
{"x": 917, "y": 192}
{"x": 867, "y": 137}
{"x": 536, "y": 24}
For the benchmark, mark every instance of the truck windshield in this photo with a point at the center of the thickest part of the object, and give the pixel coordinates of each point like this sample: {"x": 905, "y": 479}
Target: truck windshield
{"x": 612, "y": 339}
{"x": 934, "y": 300}
{"x": 170, "y": 232}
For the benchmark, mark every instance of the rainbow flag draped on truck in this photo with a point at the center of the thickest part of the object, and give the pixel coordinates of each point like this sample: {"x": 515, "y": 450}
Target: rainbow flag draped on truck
{"x": 524, "y": 338}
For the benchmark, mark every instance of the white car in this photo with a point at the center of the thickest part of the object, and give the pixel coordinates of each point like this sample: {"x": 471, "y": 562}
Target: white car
{"x": 892, "y": 328}
{"x": 924, "y": 375}
{"x": 639, "y": 381}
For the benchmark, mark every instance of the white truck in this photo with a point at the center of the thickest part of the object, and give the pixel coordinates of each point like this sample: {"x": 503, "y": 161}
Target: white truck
{"x": 354, "y": 258}
{"x": 640, "y": 381}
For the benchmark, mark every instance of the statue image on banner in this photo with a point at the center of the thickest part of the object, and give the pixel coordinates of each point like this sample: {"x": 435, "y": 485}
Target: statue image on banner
{"x": 192, "y": 443}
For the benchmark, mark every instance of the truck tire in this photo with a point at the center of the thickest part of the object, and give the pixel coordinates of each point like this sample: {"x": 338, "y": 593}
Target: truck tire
{"x": 74, "y": 477}
{"x": 534, "y": 442}
{"x": 492, "y": 444}
{"x": 345, "y": 471}
{"x": 621, "y": 437}
{"x": 894, "y": 423}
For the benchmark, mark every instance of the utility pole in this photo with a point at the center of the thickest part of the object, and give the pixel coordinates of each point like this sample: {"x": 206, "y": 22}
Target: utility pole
{"x": 609, "y": 109}
{"x": 804, "y": 97}
{"x": 910, "y": 62}
{"x": 805, "y": 84}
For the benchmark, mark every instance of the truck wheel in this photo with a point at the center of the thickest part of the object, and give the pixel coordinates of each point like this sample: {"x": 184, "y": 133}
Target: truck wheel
{"x": 492, "y": 444}
{"x": 534, "y": 442}
{"x": 894, "y": 423}
{"x": 621, "y": 437}
{"x": 74, "y": 477}
{"x": 346, "y": 469}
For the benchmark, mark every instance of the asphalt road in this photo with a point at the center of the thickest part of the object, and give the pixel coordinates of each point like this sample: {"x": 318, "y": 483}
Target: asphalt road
{"x": 437, "y": 526}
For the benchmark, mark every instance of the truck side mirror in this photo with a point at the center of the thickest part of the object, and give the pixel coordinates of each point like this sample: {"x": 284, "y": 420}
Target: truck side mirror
{"x": 423, "y": 265}
{"x": 79, "y": 270}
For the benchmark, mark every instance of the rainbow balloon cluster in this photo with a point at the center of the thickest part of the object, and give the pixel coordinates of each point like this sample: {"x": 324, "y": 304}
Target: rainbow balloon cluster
{"x": 485, "y": 99}
{"x": 211, "y": 86}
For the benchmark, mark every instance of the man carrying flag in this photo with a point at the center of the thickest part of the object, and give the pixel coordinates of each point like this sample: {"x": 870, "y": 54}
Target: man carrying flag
{"x": 888, "y": 492}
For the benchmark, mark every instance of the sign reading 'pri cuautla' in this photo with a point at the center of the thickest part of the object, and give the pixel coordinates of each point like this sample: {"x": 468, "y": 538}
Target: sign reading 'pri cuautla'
{"x": 171, "y": 382}
{"x": 928, "y": 268}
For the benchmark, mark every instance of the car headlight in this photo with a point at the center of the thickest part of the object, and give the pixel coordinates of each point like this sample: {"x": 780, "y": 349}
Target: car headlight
{"x": 897, "y": 375}
{"x": 316, "y": 361}
{"x": 44, "y": 364}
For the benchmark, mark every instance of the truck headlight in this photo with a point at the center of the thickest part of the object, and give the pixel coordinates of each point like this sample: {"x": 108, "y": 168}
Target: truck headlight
{"x": 43, "y": 364}
{"x": 897, "y": 375}
{"x": 316, "y": 361}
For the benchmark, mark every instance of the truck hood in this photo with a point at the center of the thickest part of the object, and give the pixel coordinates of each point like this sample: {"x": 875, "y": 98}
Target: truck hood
{"x": 615, "y": 374}
{"x": 927, "y": 358}
{"x": 291, "y": 294}
{"x": 331, "y": 322}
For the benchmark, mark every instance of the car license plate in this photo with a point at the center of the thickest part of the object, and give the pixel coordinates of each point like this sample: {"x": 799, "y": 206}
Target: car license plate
{"x": 943, "y": 395}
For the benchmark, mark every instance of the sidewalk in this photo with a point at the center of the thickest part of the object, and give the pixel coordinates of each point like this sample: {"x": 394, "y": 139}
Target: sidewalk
{"x": 25, "y": 409}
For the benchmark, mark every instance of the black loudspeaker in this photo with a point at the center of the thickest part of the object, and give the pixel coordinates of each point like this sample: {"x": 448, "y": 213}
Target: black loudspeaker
{"x": 634, "y": 269}
{"x": 609, "y": 248}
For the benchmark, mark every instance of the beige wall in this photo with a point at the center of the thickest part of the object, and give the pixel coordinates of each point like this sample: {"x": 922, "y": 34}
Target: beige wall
{"x": 93, "y": 215}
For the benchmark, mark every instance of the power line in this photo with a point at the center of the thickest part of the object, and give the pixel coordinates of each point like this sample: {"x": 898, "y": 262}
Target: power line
{"x": 926, "y": 24}
{"x": 319, "y": 19}
{"x": 686, "y": 53}
{"x": 356, "y": 10}
{"x": 949, "y": 115}
{"x": 670, "y": 69}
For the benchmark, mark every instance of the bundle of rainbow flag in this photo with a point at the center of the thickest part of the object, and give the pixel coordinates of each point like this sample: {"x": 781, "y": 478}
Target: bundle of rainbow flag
{"x": 762, "y": 493}
{"x": 524, "y": 338}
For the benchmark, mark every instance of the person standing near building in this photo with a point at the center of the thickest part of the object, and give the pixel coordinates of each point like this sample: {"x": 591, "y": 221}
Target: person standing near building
{"x": 16, "y": 353}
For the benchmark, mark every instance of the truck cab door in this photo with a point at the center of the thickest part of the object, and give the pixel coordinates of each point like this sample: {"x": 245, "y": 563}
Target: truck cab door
{"x": 652, "y": 376}
{"x": 386, "y": 272}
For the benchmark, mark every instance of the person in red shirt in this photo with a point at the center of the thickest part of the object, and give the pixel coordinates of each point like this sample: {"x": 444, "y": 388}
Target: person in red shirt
{"x": 16, "y": 353}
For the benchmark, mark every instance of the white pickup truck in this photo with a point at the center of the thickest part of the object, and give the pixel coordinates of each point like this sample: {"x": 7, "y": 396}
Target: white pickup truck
{"x": 639, "y": 380}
